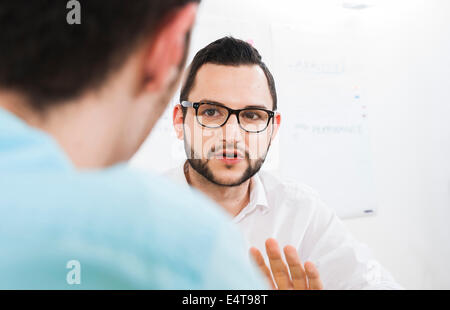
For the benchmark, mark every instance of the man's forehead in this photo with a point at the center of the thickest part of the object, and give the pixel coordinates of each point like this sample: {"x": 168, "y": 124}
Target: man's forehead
{"x": 234, "y": 86}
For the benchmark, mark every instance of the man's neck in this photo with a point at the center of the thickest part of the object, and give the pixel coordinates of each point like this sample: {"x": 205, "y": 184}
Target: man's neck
{"x": 15, "y": 104}
{"x": 77, "y": 129}
{"x": 232, "y": 198}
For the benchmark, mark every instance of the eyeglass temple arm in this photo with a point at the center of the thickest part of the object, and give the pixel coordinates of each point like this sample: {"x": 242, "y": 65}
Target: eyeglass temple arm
{"x": 187, "y": 104}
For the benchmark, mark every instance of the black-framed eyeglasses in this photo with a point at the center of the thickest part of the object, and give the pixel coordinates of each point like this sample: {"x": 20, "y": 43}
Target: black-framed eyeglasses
{"x": 214, "y": 115}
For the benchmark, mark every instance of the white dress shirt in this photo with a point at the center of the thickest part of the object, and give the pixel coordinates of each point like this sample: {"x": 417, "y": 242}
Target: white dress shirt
{"x": 294, "y": 214}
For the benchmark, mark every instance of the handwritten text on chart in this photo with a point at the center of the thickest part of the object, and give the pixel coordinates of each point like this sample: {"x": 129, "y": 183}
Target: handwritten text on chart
{"x": 310, "y": 66}
{"x": 354, "y": 129}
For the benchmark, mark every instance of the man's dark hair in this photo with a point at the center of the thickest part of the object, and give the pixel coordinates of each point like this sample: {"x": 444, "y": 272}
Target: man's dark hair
{"x": 226, "y": 51}
{"x": 48, "y": 61}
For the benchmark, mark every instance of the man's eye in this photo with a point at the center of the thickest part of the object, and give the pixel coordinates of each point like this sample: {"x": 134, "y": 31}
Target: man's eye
{"x": 210, "y": 112}
{"x": 251, "y": 115}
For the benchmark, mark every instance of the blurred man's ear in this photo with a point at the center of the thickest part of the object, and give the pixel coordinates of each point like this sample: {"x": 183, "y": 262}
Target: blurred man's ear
{"x": 178, "y": 121}
{"x": 167, "y": 48}
{"x": 276, "y": 125}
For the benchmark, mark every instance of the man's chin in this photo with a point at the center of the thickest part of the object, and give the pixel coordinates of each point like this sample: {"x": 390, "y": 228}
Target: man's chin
{"x": 227, "y": 174}
{"x": 223, "y": 174}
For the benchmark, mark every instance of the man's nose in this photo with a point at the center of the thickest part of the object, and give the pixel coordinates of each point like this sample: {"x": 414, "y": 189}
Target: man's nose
{"x": 232, "y": 131}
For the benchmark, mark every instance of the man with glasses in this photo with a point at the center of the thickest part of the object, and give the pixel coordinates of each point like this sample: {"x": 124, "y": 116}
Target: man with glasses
{"x": 227, "y": 119}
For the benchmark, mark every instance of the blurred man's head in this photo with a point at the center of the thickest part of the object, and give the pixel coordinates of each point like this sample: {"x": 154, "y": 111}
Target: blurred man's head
{"x": 225, "y": 146}
{"x": 98, "y": 87}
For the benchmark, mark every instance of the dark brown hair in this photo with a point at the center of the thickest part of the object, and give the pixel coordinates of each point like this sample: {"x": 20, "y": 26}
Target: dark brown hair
{"x": 48, "y": 61}
{"x": 227, "y": 51}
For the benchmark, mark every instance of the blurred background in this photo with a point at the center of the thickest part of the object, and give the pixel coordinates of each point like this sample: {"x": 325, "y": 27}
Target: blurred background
{"x": 364, "y": 92}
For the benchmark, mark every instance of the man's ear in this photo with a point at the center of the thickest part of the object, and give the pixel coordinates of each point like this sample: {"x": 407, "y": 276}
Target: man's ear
{"x": 178, "y": 121}
{"x": 276, "y": 125}
{"x": 167, "y": 48}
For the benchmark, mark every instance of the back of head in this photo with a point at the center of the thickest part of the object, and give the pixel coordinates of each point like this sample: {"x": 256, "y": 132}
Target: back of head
{"x": 97, "y": 86}
{"x": 47, "y": 60}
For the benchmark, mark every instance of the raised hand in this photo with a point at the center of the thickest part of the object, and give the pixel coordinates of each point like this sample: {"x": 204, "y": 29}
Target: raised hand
{"x": 300, "y": 278}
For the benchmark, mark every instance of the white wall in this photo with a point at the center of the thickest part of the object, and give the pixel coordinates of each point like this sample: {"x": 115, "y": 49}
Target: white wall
{"x": 405, "y": 45}
{"x": 409, "y": 47}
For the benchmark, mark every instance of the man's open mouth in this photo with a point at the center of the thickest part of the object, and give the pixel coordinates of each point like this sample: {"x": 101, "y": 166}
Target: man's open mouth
{"x": 230, "y": 154}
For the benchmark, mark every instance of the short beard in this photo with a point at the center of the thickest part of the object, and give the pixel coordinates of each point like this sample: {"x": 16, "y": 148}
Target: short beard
{"x": 201, "y": 167}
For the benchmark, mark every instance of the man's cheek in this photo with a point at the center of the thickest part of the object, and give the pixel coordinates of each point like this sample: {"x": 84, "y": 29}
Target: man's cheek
{"x": 188, "y": 130}
{"x": 203, "y": 142}
{"x": 255, "y": 147}
{"x": 194, "y": 140}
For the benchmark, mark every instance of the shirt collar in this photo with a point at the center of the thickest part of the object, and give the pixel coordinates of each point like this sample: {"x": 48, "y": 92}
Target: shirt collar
{"x": 258, "y": 196}
{"x": 258, "y": 199}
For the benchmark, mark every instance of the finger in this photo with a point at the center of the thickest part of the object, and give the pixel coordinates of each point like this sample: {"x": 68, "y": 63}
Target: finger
{"x": 259, "y": 259}
{"x": 295, "y": 266}
{"x": 279, "y": 269}
{"x": 313, "y": 276}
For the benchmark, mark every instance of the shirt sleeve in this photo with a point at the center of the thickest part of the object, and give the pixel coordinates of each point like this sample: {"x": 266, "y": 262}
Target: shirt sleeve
{"x": 343, "y": 262}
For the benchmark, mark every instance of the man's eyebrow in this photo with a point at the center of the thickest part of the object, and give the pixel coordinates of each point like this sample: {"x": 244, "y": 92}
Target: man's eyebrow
{"x": 211, "y": 101}
{"x": 256, "y": 106}
{"x": 251, "y": 106}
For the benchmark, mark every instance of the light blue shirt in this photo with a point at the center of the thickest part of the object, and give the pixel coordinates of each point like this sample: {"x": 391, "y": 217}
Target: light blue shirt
{"x": 127, "y": 230}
